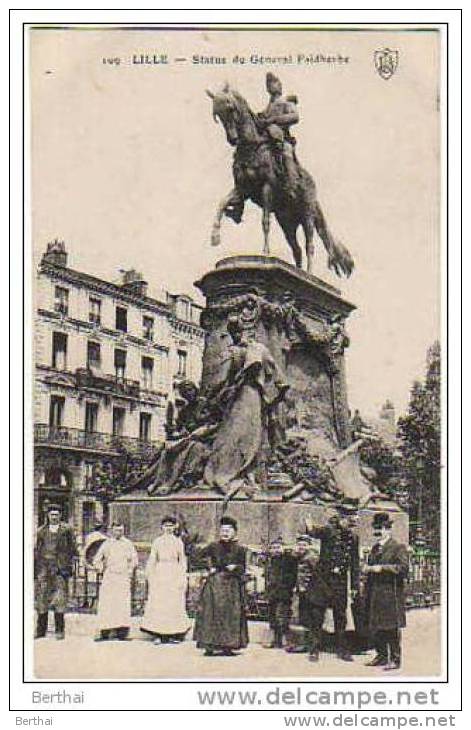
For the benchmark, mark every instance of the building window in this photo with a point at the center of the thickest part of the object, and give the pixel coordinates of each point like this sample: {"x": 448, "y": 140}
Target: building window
{"x": 94, "y": 313}
{"x": 91, "y": 417}
{"x": 145, "y": 420}
{"x": 183, "y": 309}
{"x": 148, "y": 328}
{"x": 196, "y": 315}
{"x": 147, "y": 372}
{"x": 56, "y": 411}
{"x": 182, "y": 358}
{"x": 120, "y": 364}
{"x": 59, "y": 350}
{"x": 61, "y": 300}
{"x": 118, "y": 421}
{"x": 121, "y": 319}
{"x": 93, "y": 356}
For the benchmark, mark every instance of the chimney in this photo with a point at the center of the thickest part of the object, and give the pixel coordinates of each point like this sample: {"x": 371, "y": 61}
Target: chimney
{"x": 56, "y": 253}
{"x": 134, "y": 282}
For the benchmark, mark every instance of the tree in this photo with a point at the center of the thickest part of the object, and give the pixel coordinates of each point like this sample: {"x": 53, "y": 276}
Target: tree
{"x": 116, "y": 475}
{"x": 420, "y": 444}
{"x": 386, "y": 465}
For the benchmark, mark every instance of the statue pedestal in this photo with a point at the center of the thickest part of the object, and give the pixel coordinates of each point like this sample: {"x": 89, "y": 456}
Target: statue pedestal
{"x": 259, "y": 522}
{"x": 300, "y": 320}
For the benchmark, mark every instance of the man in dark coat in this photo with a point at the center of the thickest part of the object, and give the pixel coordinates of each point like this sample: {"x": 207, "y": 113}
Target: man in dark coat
{"x": 54, "y": 555}
{"x": 221, "y": 623}
{"x": 307, "y": 560}
{"x": 281, "y": 573}
{"x": 387, "y": 569}
{"x": 338, "y": 572}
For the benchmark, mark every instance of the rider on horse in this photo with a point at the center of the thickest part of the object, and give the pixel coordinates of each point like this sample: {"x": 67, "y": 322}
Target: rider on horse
{"x": 280, "y": 114}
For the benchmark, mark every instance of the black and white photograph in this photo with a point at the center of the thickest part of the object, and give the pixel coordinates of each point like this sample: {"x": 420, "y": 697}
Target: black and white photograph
{"x": 236, "y": 357}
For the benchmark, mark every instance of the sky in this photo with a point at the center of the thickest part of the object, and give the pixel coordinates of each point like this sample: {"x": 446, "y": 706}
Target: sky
{"x": 128, "y": 167}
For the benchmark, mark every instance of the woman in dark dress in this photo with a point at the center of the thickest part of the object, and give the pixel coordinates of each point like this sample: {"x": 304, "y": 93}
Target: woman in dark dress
{"x": 221, "y": 623}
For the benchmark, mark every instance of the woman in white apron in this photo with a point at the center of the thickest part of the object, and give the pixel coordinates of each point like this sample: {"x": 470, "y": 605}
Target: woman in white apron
{"x": 165, "y": 614}
{"x": 116, "y": 559}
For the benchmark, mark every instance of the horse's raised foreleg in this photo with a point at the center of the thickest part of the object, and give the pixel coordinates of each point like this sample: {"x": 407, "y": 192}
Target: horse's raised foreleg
{"x": 233, "y": 198}
{"x": 266, "y": 201}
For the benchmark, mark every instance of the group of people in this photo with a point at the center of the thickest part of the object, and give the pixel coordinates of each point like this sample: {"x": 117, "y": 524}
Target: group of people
{"x": 330, "y": 578}
{"x": 321, "y": 579}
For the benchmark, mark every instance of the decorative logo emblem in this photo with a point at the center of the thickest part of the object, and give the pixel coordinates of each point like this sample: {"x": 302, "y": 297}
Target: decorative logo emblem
{"x": 386, "y": 62}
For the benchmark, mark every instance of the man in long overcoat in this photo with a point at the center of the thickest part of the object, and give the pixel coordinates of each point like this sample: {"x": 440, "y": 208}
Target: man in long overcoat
{"x": 54, "y": 554}
{"x": 387, "y": 570}
{"x": 338, "y": 573}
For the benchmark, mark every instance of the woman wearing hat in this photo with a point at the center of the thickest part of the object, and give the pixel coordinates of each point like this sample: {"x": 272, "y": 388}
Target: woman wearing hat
{"x": 221, "y": 623}
{"x": 387, "y": 569}
{"x": 165, "y": 614}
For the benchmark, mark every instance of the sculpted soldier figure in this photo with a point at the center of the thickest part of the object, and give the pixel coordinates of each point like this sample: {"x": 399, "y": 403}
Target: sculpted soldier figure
{"x": 280, "y": 114}
{"x": 266, "y": 171}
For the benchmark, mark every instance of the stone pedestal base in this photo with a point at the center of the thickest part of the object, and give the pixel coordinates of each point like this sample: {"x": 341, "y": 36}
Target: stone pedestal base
{"x": 259, "y": 522}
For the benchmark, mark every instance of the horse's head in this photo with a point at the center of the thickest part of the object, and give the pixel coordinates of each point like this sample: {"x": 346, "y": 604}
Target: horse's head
{"x": 234, "y": 113}
{"x": 225, "y": 109}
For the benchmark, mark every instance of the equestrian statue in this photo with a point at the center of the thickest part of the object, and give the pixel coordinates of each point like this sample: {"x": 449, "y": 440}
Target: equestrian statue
{"x": 266, "y": 171}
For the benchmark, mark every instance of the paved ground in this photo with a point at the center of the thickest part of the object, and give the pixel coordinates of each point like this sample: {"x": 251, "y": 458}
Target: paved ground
{"x": 79, "y": 657}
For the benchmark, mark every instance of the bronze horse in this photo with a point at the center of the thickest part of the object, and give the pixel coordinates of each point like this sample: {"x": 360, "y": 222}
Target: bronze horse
{"x": 258, "y": 177}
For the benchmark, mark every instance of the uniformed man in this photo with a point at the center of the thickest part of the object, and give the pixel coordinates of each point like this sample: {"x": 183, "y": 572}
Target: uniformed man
{"x": 307, "y": 561}
{"x": 338, "y": 575}
{"x": 281, "y": 573}
{"x": 387, "y": 568}
{"x": 280, "y": 114}
{"x": 54, "y": 555}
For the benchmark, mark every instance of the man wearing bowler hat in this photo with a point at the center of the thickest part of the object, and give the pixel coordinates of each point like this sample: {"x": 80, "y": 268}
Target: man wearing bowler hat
{"x": 54, "y": 555}
{"x": 387, "y": 569}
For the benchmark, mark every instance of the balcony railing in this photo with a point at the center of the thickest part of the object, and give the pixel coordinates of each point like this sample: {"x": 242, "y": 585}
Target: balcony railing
{"x": 77, "y": 438}
{"x": 107, "y": 383}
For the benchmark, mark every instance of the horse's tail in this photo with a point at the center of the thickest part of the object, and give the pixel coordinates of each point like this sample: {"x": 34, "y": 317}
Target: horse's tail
{"x": 340, "y": 259}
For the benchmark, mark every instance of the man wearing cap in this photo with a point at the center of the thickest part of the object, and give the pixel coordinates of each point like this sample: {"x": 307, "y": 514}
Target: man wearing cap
{"x": 281, "y": 573}
{"x": 387, "y": 569}
{"x": 165, "y": 615}
{"x": 54, "y": 555}
{"x": 221, "y": 623}
{"x": 339, "y": 574}
{"x": 280, "y": 114}
{"x": 307, "y": 560}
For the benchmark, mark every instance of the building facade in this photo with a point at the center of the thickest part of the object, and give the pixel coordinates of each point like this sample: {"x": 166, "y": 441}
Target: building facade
{"x": 107, "y": 359}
